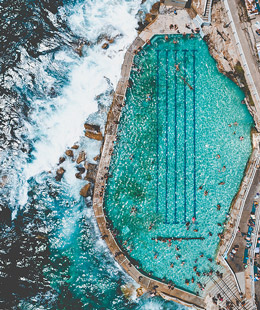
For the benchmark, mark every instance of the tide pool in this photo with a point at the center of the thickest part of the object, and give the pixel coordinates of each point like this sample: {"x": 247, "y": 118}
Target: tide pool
{"x": 183, "y": 143}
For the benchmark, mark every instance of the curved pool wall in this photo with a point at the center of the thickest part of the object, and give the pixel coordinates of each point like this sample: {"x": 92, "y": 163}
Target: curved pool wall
{"x": 174, "y": 124}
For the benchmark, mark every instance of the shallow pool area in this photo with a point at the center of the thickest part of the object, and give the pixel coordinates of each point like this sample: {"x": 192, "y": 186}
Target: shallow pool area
{"x": 183, "y": 143}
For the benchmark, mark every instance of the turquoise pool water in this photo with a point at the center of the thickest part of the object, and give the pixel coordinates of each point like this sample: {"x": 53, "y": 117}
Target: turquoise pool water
{"x": 175, "y": 122}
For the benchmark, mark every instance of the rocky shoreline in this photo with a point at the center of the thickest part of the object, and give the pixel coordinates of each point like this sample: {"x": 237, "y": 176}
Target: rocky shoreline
{"x": 222, "y": 48}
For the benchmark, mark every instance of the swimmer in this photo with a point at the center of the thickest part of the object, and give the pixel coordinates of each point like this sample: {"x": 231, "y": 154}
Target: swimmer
{"x": 177, "y": 256}
{"x": 193, "y": 219}
{"x": 155, "y": 256}
{"x": 229, "y": 125}
{"x": 172, "y": 265}
{"x": 201, "y": 187}
{"x": 182, "y": 263}
{"x": 184, "y": 34}
{"x": 236, "y": 123}
{"x": 221, "y": 183}
{"x": 192, "y": 280}
{"x": 224, "y": 169}
{"x": 177, "y": 248}
{"x": 191, "y": 35}
{"x": 148, "y": 97}
{"x": 187, "y": 282}
{"x": 217, "y": 156}
{"x": 218, "y": 207}
{"x": 195, "y": 268}
{"x": 241, "y": 138}
{"x": 177, "y": 67}
{"x": 175, "y": 42}
{"x": 166, "y": 37}
{"x": 206, "y": 193}
{"x": 195, "y": 230}
{"x": 148, "y": 42}
{"x": 151, "y": 226}
{"x": 133, "y": 210}
{"x": 201, "y": 255}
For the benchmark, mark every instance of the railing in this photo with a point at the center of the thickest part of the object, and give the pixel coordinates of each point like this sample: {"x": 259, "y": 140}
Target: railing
{"x": 252, "y": 167}
{"x": 249, "y": 78}
{"x": 252, "y": 251}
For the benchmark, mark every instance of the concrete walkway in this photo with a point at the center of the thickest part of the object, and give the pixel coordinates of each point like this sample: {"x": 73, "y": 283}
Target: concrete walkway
{"x": 243, "y": 274}
{"x": 249, "y": 57}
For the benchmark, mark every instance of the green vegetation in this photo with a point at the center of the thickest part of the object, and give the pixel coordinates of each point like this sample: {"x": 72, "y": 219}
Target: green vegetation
{"x": 241, "y": 76}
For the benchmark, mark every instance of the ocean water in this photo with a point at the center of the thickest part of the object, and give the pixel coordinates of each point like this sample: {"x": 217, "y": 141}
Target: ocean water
{"x": 169, "y": 139}
{"x": 54, "y": 77}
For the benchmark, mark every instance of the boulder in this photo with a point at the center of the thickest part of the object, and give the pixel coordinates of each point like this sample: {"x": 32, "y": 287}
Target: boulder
{"x": 86, "y": 165}
{"x": 97, "y": 157}
{"x": 105, "y": 46}
{"x": 69, "y": 153}
{"x": 61, "y": 160}
{"x": 59, "y": 174}
{"x": 81, "y": 157}
{"x": 85, "y": 189}
{"x": 78, "y": 175}
{"x": 81, "y": 169}
{"x": 95, "y": 136}
{"x": 93, "y": 132}
{"x": 91, "y": 173}
{"x": 75, "y": 147}
{"x": 90, "y": 127}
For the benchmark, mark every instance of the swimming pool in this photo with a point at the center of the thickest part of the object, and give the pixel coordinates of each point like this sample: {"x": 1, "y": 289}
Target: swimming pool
{"x": 179, "y": 154}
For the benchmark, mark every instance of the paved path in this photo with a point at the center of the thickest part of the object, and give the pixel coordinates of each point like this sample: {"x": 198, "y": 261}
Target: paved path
{"x": 250, "y": 58}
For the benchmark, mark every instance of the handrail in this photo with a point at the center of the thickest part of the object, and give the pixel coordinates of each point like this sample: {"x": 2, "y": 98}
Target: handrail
{"x": 243, "y": 200}
{"x": 231, "y": 270}
{"x": 248, "y": 75}
{"x": 252, "y": 250}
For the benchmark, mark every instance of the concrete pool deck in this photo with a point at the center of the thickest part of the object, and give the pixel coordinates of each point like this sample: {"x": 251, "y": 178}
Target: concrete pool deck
{"x": 159, "y": 26}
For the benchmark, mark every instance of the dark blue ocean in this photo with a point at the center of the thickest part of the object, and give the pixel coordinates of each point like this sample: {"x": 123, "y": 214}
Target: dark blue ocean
{"x": 55, "y": 77}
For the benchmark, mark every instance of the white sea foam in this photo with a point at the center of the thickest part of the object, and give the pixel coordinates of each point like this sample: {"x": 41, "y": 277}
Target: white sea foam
{"x": 57, "y": 123}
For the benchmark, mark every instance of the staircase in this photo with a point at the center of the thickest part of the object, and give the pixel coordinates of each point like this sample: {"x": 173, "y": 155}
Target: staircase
{"x": 207, "y": 13}
{"x": 227, "y": 288}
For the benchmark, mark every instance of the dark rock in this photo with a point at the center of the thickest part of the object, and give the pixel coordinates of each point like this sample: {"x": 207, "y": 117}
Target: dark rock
{"x": 5, "y": 215}
{"x": 97, "y": 157}
{"x": 91, "y": 173}
{"x": 81, "y": 169}
{"x": 78, "y": 175}
{"x": 69, "y": 153}
{"x": 61, "y": 160}
{"x": 93, "y": 132}
{"x": 85, "y": 190}
{"x": 59, "y": 174}
{"x": 105, "y": 46}
{"x": 81, "y": 157}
